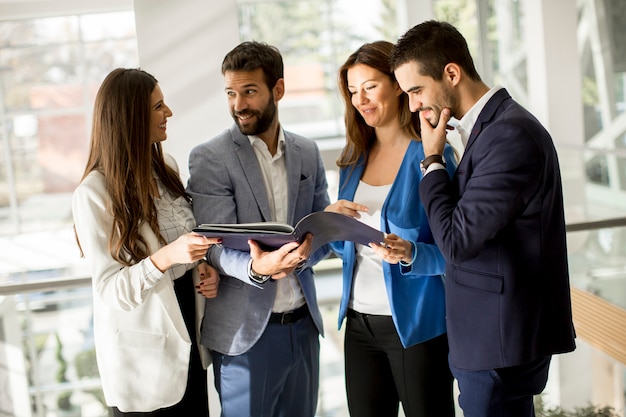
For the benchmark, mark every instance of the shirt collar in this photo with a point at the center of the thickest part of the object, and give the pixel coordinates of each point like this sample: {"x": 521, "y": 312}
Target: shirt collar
{"x": 258, "y": 143}
{"x": 468, "y": 121}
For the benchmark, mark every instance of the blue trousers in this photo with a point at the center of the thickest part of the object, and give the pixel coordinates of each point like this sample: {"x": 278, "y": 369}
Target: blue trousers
{"x": 277, "y": 377}
{"x": 503, "y": 392}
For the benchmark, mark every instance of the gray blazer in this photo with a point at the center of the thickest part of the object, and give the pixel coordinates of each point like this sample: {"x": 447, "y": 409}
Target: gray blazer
{"x": 226, "y": 186}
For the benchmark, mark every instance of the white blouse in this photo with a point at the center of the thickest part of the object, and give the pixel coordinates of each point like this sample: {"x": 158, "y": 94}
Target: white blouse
{"x": 369, "y": 294}
{"x": 175, "y": 218}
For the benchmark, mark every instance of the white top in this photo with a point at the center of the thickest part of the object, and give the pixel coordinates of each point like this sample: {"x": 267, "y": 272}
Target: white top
{"x": 467, "y": 122}
{"x": 369, "y": 294}
{"x": 289, "y": 295}
{"x": 175, "y": 218}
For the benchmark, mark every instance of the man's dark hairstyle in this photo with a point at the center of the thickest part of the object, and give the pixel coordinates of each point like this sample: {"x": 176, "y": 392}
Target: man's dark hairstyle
{"x": 433, "y": 45}
{"x": 252, "y": 55}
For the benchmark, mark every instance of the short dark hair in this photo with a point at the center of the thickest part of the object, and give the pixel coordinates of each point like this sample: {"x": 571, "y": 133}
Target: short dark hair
{"x": 433, "y": 45}
{"x": 252, "y": 55}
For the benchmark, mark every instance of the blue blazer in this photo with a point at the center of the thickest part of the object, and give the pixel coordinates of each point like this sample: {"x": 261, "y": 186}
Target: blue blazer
{"x": 500, "y": 225}
{"x": 415, "y": 293}
{"x": 226, "y": 186}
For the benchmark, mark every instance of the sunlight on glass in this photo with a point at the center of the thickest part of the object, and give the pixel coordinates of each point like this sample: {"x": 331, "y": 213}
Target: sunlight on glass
{"x": 95, "y": 27}
{"x": 55, "y": 30}
{"x": 315, "y": 38}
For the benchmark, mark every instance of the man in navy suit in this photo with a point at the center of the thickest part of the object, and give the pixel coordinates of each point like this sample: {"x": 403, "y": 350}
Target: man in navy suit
{"x": 263, "y": 327}
{"x": 499, "y": 224}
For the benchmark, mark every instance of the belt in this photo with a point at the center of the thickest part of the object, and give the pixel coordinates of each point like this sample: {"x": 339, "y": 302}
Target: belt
{"x": 289, "y": 317}
{"x": 365, "y": 316}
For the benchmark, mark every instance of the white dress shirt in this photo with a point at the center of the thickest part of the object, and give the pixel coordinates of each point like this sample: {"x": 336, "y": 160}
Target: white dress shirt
{"x": 289, "y": 295}
{"x": 468, "y": 121}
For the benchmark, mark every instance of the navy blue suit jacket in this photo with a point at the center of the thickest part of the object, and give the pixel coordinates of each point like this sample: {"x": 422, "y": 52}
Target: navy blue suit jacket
{"x": 499, "y": 224}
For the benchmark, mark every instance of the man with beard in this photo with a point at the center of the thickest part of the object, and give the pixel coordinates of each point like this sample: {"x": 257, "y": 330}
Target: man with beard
{"x": 499, "y": 223}
{"x": 263, "y": 327}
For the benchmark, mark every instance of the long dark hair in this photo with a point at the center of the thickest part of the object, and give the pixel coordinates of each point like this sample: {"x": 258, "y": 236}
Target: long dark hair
{"x": 121, "y": 151}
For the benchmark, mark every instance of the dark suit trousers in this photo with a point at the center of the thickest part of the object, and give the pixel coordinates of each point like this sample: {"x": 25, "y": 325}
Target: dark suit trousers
{"x": 503, "y": 392}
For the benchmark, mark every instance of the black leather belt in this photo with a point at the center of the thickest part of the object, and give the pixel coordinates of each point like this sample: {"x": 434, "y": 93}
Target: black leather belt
{"x": 289, "y": 317}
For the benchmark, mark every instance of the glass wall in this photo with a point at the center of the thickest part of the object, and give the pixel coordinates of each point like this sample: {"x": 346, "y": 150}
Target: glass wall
{"x": 315, "y": 38}
{"x": 603, "y": 64}
{"x": 50, "y": 69}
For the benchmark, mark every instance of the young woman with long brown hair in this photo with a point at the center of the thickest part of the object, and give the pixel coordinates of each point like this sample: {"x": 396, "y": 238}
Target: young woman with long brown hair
{"x": 395, "y": 339}
{"x": 133, "y": 223}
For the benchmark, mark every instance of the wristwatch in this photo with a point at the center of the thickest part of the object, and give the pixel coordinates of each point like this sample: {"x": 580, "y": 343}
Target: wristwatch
{"x": 425, "y": 163}
{"x": 256, "y": 277}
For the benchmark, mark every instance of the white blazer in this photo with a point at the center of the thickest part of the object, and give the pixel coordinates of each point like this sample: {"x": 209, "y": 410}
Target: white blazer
{"x": 142, "y": 344}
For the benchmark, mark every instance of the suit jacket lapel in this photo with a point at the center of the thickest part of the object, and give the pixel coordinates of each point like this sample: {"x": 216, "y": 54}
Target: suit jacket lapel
{"x": 486, "y": 115}
{"x": 294, "y": 172}
{"x": 251, "y": 170}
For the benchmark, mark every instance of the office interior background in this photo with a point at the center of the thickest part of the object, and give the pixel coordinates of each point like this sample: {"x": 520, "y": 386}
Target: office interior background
{"x": 565, "y": 60}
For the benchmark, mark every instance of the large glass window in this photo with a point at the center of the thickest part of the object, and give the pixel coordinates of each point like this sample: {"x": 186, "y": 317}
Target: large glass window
{"x": 315, "y": 38}
{"x": 603, "y": 66}
{"x": 494, "y": 33}
{"x": 50, "y": 69}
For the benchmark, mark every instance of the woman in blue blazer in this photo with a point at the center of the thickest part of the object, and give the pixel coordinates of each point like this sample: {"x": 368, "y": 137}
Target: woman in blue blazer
{"x": 395, "y": 340}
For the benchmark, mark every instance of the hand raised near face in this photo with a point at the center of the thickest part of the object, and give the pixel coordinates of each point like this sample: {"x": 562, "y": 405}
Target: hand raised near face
{"x": 434, "y": 138}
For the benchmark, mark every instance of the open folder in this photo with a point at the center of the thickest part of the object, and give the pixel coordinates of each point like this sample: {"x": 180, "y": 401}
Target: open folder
{"x": 325, "y": 227}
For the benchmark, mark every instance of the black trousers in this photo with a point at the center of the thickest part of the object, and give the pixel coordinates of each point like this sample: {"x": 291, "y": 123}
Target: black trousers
{"x": 381, "y": 373}
{"x": 195, "y": 401}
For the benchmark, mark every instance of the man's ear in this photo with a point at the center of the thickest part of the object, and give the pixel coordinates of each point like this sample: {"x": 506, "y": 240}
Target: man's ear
{"x": 398, "y": 90}
{"x": 452, "y": 73}
{"x": 279, "y": 89}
